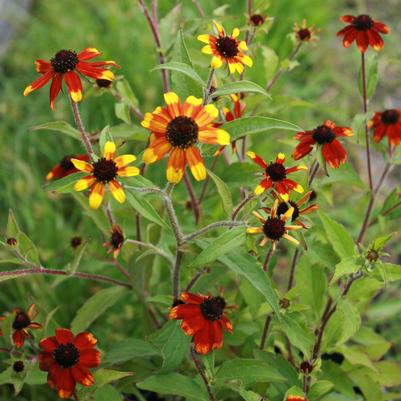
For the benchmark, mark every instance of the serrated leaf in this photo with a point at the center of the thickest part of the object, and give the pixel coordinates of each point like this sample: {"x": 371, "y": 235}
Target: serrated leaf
{"x": 224, "y": 192}
{"x": 183, "y": 69}
{"x": 66, "y": 184}
{"x": 219, "y": 246}
{"x": 240, "y": 87}
{"x": 59, "y": 126}
{"x": 175, "y": 384}
{"x": 344, "y": 268}
{"x": 94, "y": 307}
{"x": 257, "y": 125}
{"x": 144, "y": 208}
{"x": 338, "y": 237}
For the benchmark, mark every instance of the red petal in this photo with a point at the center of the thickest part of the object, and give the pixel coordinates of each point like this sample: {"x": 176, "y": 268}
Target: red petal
{"x": 185, "y": 311}
{"x": 64, "y": 381}
{"x": 217, "y": 331}
{"x": 193, "y": 325}
{"x": 64, "y": 336}
{"x": 85, "y": 340}
{"x": 74, "y": 84}
{"x": 19, "y": 337}
{"x": 334, "y": 153}
{"x": 55, "y": 89}
{"x": 190, "y": 298}
{"x": 48, "y": 344}
{"x": 46, "y": 361}
{"x": 203, "y": 339}
{"x": 82, "y": 375}
{"x": 362, "y": 41}
{"x": 89, "y": 357}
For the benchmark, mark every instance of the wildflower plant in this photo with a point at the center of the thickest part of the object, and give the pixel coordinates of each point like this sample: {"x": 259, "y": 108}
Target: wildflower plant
{"x": 198, "y": 270}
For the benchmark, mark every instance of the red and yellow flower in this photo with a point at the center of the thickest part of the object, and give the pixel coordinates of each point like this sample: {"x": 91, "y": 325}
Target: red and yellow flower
{"x": 305, "y": 34}
{"x": 176, "y": 129}
{"x": 67, "y": 65}
{"x": 364, "y": 30}
{"x": 275, "y": 176}
{"x": 226, "y": 48}
{"x": 325, "y": 136}
{"x": 387, "y": 123}
{"x": 67, "y": 359}
{"x": 230, "y": 115}
{"x": 116, "y": 241}
{"x": 203, "y": 318}
{"x": 274, "y": 227}
{"x": 65, "y": 167}
{"x": 22, "y": 323}
{"x": 298, "y": 211}
{"x": 296, "y": 398}
{"x": 105, "y": 171}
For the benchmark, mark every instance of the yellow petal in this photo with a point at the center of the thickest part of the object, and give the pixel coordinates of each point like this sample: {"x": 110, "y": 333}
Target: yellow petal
{"x": 28, "y": 90}
{"x": 117, "y": 191}
{"x": 235, "y": 33}
{"x": 84, "y": 183}
{"x": 259, "y": 190}
{"x": 205, "y": 38}
{"x": 149, "y": 156}
{"x": 207, "y": 49}
{"x": 109, "y": 150}
{"x": 123, "y": 160}
{"x": 212, "y": 110}
{"x": 174, "y": 175}
{"x": 76, "y": 96}
{"x": 223, "y": 137}
{"x": 216, "y": 62}
{"x": 254, "y": 230}
{"x": 171, "y": 98}
{"x": 247, "y": 61}
{"x": 82, "y": 165}
{"x": 131, "y": 171}
{"x": 242, "y": 45}
{"x": 96, "y": 195}
{"x": 194, "y": 101}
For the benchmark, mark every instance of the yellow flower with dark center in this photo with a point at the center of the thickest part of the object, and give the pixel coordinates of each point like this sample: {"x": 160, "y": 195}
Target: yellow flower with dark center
{"x": 226, "y": 48}
{"x": 105, "y": 171}
{"x": 177, "y": 128}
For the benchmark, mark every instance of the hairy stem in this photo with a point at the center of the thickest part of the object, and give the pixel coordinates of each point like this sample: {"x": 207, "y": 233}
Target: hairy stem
{"x": 157, "y": 250}
{"x": 176, "y": 274}
{"x": 194, "y": 200}
{"x": 206, "y": 96}
{"x": 199, "y": 8}
{"x": 241, "y": 206}
{"x": 293, "y": 266}
{"x": 265, "y": 331}
{"x": 199, "y": 369}
{"x": 203, "y": 191}
{"x": 196, "y": 277}
{"x": 212, "y": 226}
{"x": 84, "y": 135}
{"x": 267, "y": 258}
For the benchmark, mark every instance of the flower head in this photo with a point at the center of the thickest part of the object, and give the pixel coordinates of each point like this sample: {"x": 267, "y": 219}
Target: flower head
{"x": 257, "y": 19}
{"x": 116, "y": 240}
{"x": 65, "y": 167}
{"x": 275, "y": 176}
{"x": 105, "y": 171}
{"x": 305, "y": 34}
{"x": 227, "y": 49}
{"x": 67, "y": 359}
{"x": 22, "y": 323}
{"x": 203, "y": 318}
{"x": 325, "y": 136}
{"x": 67, "y": 65}
{"x": 365, "y": 30}
{"x": 387, "y": 123}
{"x": 274, "y": 227}
{"x": 176, "y": 129}
{"x": 298, "y": 211}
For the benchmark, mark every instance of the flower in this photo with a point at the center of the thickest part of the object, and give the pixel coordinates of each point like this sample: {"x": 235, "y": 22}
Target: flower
{"x": 325, "y": 136}
{"x": 23, "y": 321}
{"x": 257, "y": 19}
{"x": 238, "y": 108}
{"x": 104, "y": 171}
{"x": 203, "y": 318}
{"x": 365, "y": 30}
{"x": 116, "y": 240}
{"x": 274, "y": 227}
{"x": 67, "y": 359}
{"x": 226, "y": 49}
{"x": 66, "y": 64}
{"x": 305, "y": 34}
{"x": 283, "y": 208}
{"x": 276, "y": 176}
{"x": 65, "y": 167}
{"x": 387, "y": 123}
{"x": 177, "y": 128}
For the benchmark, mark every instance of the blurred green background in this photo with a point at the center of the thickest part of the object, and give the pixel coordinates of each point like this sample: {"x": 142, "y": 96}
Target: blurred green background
{"x": 323, "y": 86}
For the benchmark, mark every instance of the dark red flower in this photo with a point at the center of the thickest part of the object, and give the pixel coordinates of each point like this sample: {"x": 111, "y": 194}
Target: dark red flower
{"x": 23, "y": 321}
{"x": 275, "y": 176}
{"x": 65, "y": 167}
{"x": 116, "y": 240}
{"x": 257, "y": 19}
{"x": 203, "y": 318}
{"x": 387, "y": 123}
{"x": 365, "y": 30}
{"x": 67, "y": 359}
{"x": 304, "y": 33}
{"x": 66, "y": 64}
{"x": 325, "y": 136}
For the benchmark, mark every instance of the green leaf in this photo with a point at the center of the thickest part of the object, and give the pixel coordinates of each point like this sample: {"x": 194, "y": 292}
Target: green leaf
{"x": 129, "y": 131}
{"x": 183, "y": 69}
{"x": 172, "y": 344}
{"x": 6, "y": 327}
{"x": 107, "y": 393}
{"x": 126, "y": 93}
{"x": 123, "y": 112}
{"x": 256, "y": 125}
{"x": 95, "y": 307}
{"x": 12, "y": 226}
{"x": 344, "y": 268}
{"x": 390, "y": 272}
{"x": 27, "y": 248}
{"x": 319, "y": 389}
{"x": 175, "y": 384}
{"x": 106, "y": 376}
{"x": 245, "y": 265}
{"x": 379, "y": 243}
{"x": 248, "y": 370}
{"x": 239, "y": 87}
{"x": 371, "y": 68}
{"x": 182, "y": 84}
{"x": 226, "y": 242}
{"x": 130, "y": 349}
{"x": 338, "y": 237}
{"x": 224, "y": 192}
{"x": 72, "y": 268}
{"x": 104, "y": 137}
{"x": 59, "y": 126}
{"x": 66, "y": 184}
{"x": 389, "y": 374}
{"x": 249, "y": 395}
{"x": 144, "y": 208}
